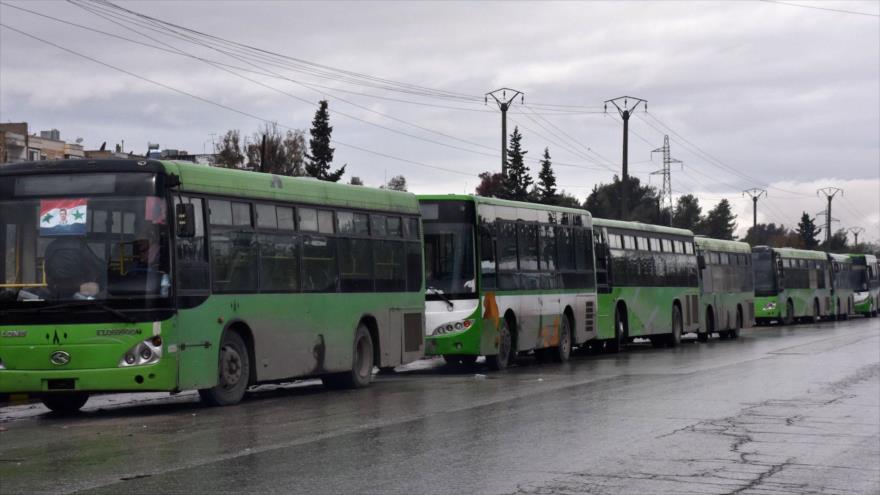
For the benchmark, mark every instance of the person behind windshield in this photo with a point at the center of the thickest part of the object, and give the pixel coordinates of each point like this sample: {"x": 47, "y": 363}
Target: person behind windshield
{"x": 72, "y": 269}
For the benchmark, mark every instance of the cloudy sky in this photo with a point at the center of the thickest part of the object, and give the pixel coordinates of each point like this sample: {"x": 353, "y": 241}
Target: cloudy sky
{"x": 783, "y": 96}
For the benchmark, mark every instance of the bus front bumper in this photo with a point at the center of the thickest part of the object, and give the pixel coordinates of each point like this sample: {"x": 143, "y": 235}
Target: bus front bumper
{"x": 767, "y": 308}
{"x": 466, "y": 343}
{"x": 161, "y": 376}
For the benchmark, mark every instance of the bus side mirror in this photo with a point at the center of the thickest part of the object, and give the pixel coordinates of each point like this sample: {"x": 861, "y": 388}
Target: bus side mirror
{"x": 701, "y": 262}
{"x": 779, "y": 267}
{"x": 186, "y": 220}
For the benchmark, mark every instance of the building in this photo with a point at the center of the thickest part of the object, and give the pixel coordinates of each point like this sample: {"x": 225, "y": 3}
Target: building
{"x": 17, "y": 145}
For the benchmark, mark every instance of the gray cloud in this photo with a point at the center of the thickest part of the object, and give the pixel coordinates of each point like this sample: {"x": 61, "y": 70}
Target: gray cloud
{"x": 775, "y": 92}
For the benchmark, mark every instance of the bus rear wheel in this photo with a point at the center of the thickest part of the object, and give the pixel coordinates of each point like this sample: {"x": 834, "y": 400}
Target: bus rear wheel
{"x": 734, "y": 334}
{"x": 674, "y": 338}
{"x": 562, "y": 351}
{"x": 65, "y": 403}
{"x": 505, "y": 354}
{"x": 361, "y": 373}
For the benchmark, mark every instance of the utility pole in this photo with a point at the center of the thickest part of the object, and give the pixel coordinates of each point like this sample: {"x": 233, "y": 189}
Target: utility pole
{"x": 503, "y": 104}
{"x": 625, "y": 111}
{"x": 755, "y": 194}
{"x": 666, "y": 192}
{"x": 855, "y": 232}
{"x": 829, "y": 193}
{"x": 263, "y": 155}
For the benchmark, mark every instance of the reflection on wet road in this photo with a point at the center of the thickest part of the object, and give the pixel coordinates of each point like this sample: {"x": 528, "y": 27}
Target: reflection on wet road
{"x": 782, "y": 410}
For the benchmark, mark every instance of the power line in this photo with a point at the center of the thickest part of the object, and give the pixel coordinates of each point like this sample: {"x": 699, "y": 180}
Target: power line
{"x": 223, "y": 106}
{"x": 816, "y": 7}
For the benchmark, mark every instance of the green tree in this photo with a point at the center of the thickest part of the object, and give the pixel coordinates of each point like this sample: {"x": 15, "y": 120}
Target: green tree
{"x": 517, "y": 181}
{"x": 320, "y": 156}
{"x": 228, "y": 150}
{"x": 546, "y": 187}
{"x": 770, "y": 234}
{"x": 567, "y": 200}
{"x": 356, "y": 181}
{"x": 719, "y": 223}
{"x": 491, "y": 185}
{"x": 397, "y": 183}
{"x": 837, "y": 243}
{"x": 808, "y": 231}
{"x": 644, "y": 203}
{"x": 687, "y": 213}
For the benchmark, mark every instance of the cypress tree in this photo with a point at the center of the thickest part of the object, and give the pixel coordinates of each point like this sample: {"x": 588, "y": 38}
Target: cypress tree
{"x": 320, "y": 153}
{"x": 517, "y": 181}
{"x": 547, "y": 181}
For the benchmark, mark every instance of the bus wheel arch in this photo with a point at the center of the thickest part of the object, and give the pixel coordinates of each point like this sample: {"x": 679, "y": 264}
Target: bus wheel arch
{"x": 621, "y": 328}
{"x": 738, "y": 324}
{"x": 501, "y": 360}
{"x": 568, "y": 312}
{"x": 510, "y": 318}
{"x": 247, "y": 335}
{"x": 788, "y": 317}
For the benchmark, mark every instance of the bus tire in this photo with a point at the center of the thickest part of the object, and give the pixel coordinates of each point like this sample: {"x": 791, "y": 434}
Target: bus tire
{"x": 65, "y": 403}
{"x": 788, "y": 319}
{"x": 674, "y": 338}
{"x": 618, "y": 343}
{"x": 562, "y": 351}
{"x": 710, "y": 326}
{"x": 233, "y": 369}
{"x": 505, "y": 354}
{"x": 361, "y": 373}
{"x": 734, "y": 334}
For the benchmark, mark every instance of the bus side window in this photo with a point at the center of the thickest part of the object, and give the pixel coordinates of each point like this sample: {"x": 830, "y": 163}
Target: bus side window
{"x": 192, "y": 256}
{"x": 487, "y": 259}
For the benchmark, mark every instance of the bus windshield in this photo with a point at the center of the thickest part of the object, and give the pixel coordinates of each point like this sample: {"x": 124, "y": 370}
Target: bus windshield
{"x": 765, "y": 274}
{"x": 449, "y": 251}
{"x": 83, "y": 247}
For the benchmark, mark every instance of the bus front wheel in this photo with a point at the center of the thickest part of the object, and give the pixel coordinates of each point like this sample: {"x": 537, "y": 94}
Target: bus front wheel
{"x": 234, "y": 373}
{"x": 734, "y": 334}
{"x": 562, "y": 352}
{"x": 361, "y": 373}
{"x": 65, "y": 403}
{"x": 618, "y": 344}
{"x": 502, "y": 360}
{"x": 789, "y": 313}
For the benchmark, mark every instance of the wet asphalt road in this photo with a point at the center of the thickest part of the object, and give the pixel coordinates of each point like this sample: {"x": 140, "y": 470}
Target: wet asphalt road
{"x": 782, "y": 410}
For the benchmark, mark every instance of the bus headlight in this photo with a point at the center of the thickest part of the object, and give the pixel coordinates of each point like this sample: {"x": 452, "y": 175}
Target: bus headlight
{"x": 770, "y": 306}
{"x": 453, "y": 327}
{"x": 147, "y": 352}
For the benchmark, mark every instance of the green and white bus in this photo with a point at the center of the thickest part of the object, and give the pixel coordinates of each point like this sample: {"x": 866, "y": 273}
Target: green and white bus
{"x": 647, "y": 282}
{"x": 791, "y": 284}
{"x": 505, "y": 277}
{"x": 867, "y": 294}
{"x": 727, "y": 288}
{"x": 125, "y": 275}
{"x": 844, "y": 283}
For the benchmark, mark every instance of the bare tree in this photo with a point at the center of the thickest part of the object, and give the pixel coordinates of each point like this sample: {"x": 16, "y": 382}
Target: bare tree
{"x": 228, "y": 150}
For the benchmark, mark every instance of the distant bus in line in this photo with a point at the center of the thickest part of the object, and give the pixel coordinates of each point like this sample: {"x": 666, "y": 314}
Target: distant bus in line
{"x": 727, "y": 289}
{"x": 844, "y": 283}
{"x": 505, "y": 277}
{"x": 647, "y": 282}
{"x": 867, "y": 293}
{"x": 791, "y": 284}
{"x": 124, "y": 275}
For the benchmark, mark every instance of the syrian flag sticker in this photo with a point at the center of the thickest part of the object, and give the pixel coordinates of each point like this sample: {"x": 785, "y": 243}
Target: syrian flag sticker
{"x": 63, "y": 216}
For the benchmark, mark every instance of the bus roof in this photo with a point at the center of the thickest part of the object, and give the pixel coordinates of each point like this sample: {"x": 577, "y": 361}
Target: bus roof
{"x": 500, "y": 202}
{"x": 868, "y": 258}
{"x": 645, "y": 227}
{"x": 840, "y": 257}
{"x": 722, "y": 245}
{"x": 255, "y": 185}
{"x": 799, "y": 253}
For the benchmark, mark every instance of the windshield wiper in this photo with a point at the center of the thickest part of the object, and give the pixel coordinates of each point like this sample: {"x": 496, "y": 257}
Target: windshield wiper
{"x": 437, "y": 292}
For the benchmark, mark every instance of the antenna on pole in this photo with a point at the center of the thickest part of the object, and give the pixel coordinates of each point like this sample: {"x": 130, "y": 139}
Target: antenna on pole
{"x": 829, "y": 193}
{"x": 503, "y": 104}
{"x": 755, "y": 194}
{"x": 625, "y": 110}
